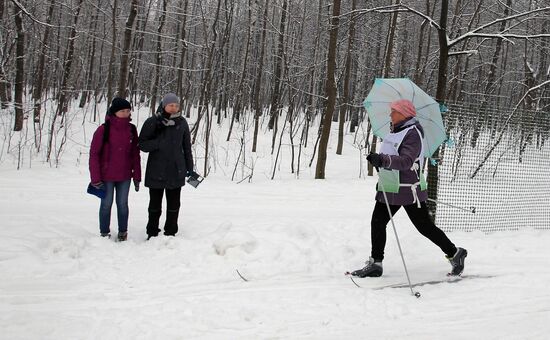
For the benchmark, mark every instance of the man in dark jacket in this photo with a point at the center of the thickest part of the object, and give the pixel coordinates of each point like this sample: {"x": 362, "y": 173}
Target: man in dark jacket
{"x": 167, "y": 139}
{"x": 401, "y": 181}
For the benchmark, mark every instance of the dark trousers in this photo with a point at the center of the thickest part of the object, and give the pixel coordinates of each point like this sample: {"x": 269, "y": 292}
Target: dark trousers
{"x": 155, "y": 210}
{"x": 421, "y": 220}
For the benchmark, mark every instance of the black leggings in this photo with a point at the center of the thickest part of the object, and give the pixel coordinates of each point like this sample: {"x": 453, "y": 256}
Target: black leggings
{"x": 421, "y": 220}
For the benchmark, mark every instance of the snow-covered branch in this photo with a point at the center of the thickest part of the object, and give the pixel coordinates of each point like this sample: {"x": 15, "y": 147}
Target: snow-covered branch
{"x": 466, "y": 52}
{"x": 534, "y": 88}
{"x": 27, "y": 13}
{"x": 507, "y": 37}
{"x": 426, "y": 17}
{"x": 475, "y": 32}
{"x": 381, "y": 9}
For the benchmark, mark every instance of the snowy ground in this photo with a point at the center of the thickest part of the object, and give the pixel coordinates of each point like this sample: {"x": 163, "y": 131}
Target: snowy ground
{"x": 292, "y": 239}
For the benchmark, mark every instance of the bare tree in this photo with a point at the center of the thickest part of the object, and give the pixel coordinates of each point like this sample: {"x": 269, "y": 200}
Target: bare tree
{"x": 183, "y": 52}
{"x": 112, "y": 58}
{"x": 39, "y": 82}
{"x": 62, "y": 103}
{"x": 124, "y": 59}
{"x": 4, "y": 83}
{"x": 159, "y": 52}
{"x": 330, "y": 91}
{"x": 344, "y": 105}
{"x": 19, "y": 69}
{"x": 240, "y": 87}
{"x": 258, "y": 83}
{"x": 276, "y": 94}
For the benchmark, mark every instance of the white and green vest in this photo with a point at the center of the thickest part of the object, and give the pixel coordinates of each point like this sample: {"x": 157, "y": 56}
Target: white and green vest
{"x": 389, "y": 179}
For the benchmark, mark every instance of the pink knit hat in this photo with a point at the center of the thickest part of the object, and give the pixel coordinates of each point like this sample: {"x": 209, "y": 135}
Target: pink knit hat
{"x": 405, "y": 107}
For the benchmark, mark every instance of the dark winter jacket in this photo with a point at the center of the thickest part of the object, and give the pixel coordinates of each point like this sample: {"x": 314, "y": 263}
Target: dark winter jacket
{"x": 118, "y": 158}
{"x": 168, "y": 142}
{"x": 409, "y": 150}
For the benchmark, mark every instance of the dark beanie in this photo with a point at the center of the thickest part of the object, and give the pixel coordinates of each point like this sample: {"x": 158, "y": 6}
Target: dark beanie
{"x": 118, "y": 104}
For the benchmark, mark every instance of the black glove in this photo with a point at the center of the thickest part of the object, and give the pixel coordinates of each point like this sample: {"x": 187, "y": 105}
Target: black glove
{"x": 136, "y": 185}
{"x": 375, "y": 159}
{"x": 192, "y": 173}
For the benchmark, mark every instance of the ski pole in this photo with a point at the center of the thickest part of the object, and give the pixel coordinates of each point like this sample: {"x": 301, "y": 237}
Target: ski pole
{"x": 417, "y": 294}
{"x": 471, "y": 210}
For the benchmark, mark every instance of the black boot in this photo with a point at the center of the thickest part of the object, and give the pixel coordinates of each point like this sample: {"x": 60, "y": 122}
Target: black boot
{"x": 372, "y": 268}
{"x": 153, "y": 223}
{"x": 123, "y": 236}
{"x": 171, "y": 225}
{"x": 457, "y": 262}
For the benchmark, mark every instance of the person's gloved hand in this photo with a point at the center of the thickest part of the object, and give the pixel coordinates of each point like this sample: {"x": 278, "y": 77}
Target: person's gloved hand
{"x": 136, "y": 185}
{"x": 192, "y": 173}
{"x": 99, "y": 185}
{"x": 375, "y": 159}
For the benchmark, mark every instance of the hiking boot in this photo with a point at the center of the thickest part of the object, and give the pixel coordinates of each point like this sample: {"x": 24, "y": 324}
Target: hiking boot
{"x": 372, "y": 268}
{"x": 457, "y": 262}
{"x": 122, "y": 236}
{"x": 107, "y": 235}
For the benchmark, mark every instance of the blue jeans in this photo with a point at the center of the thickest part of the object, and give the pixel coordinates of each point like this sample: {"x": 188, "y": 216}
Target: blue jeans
{"x": 122, "y": 191}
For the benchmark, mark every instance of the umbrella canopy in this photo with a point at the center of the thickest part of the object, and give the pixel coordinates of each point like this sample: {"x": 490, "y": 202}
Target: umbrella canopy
{"x": 387, "y": 90}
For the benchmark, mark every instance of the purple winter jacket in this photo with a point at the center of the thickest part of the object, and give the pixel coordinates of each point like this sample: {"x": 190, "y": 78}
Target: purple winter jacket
{"x": 409, "y": 150}
{"x": 119, "y": 159}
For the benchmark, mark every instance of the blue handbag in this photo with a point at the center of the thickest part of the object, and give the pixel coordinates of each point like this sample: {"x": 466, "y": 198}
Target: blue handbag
{"x": 99, "y": 192}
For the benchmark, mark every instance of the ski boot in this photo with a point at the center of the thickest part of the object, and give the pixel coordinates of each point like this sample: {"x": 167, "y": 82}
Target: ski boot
{"x": 107, "y": 235}
{"x": 457, "y": 262}
{"x": 371, "y": 269}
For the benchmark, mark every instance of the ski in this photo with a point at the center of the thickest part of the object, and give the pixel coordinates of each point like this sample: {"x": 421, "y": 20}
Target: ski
{"x": 448, "y": 279}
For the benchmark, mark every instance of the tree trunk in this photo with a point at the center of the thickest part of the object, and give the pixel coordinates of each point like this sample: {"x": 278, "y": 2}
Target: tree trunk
{"x": 389, "y": 57}
{"x": 135, "y": 61}
{"x": 62, "y": 102}
{"x": 330, "y": 90}
{"x": 344, "y": 107}
{"x": 19, "y": 69}
{"x": 155, "y": 87}
{"x": 387, "y": 70}
{"x": 110, "y": 74}
{"x": 258, "y": 84}
{"x": 183, "y": 51}
{"x": 221, "y": 93}
{"x": 125, "y": 57}
{"x": 275, "y": 98}
{"x": 39, "y": 81}
{"x": 207, "y": 88}
{"x": 4, "y": 84}
{"x": 440, "y": 97}
{"x": 237, "y": 108}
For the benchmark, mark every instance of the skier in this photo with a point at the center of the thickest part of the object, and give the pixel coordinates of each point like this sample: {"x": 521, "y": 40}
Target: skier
{"x": 114, "y": 161}
{"x": 400, "y": 163}
{"x": 167, "y": 139}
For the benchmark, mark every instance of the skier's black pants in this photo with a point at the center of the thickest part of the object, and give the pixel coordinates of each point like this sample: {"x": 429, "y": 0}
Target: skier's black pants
{"x": 421, "y": 220}
{"x": 155, "y": 210}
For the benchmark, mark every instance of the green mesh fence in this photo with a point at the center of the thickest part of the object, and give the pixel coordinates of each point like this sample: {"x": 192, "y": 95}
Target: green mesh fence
{"x": 498, "y": 163}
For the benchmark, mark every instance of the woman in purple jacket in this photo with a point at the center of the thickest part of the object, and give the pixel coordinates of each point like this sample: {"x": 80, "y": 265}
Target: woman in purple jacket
{"x": 401, "y": 181}
{"x": 114, "y": 161}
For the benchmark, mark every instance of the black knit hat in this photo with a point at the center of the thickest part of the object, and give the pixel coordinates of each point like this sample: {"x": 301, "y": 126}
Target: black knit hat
{"x": 118, "y": 104}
